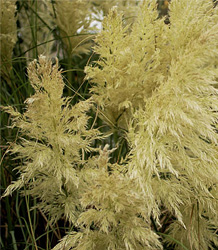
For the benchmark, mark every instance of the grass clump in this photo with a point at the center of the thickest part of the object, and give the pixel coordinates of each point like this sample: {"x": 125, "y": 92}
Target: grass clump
{"x": 118, "y": 149}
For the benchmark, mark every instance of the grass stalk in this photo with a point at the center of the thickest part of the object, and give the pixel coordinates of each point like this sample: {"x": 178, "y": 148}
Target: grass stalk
{"x": 19, "y": 217}
{"x": 13, "y": 240}
{"x": 171, "y": 238}
{"x": 30, "y": 221}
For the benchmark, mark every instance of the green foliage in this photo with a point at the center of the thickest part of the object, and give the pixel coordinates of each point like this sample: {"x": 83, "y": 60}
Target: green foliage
{"x": 151, "y": 91}
{"x": 35, "y": 27}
